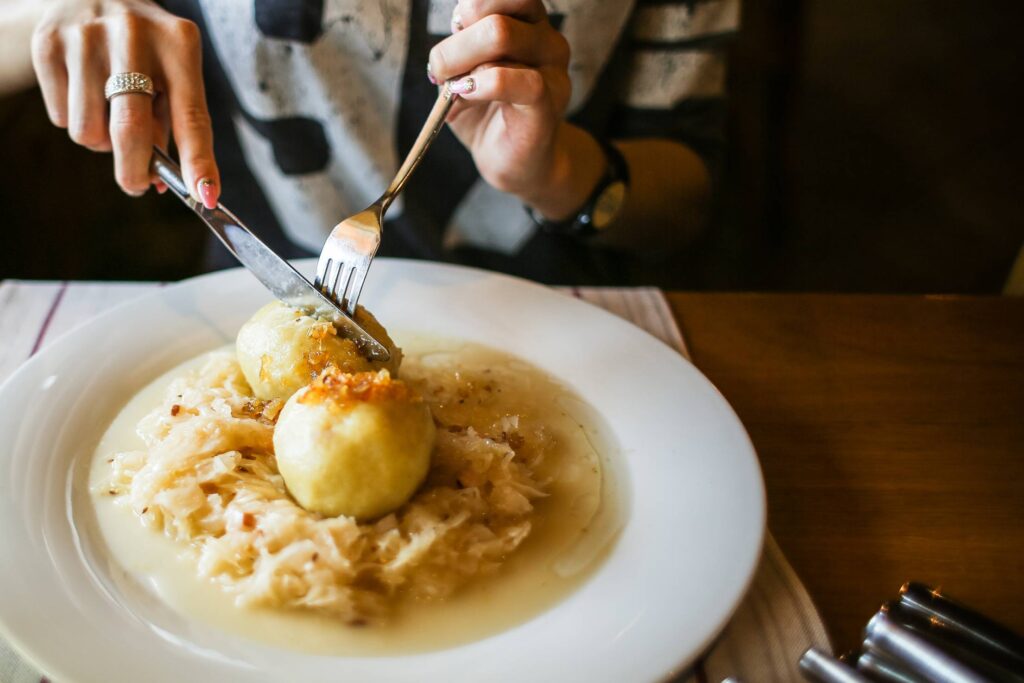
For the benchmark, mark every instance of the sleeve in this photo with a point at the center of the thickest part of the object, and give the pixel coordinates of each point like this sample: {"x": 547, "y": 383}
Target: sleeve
{"x": 672, "y": 72}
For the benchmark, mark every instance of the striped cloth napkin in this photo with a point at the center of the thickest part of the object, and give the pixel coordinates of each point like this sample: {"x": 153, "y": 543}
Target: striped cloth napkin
{"x": 771, "y": 628}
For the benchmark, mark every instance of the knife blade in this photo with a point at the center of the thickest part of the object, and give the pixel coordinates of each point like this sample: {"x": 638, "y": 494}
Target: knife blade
{"x": 273, "y": 272}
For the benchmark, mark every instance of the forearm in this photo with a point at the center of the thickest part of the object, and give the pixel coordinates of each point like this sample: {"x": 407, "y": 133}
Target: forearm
{"x": 667, "y": 201}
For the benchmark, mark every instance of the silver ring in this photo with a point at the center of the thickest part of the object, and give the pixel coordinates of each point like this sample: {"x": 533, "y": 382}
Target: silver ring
{"x": 128, "y": 82}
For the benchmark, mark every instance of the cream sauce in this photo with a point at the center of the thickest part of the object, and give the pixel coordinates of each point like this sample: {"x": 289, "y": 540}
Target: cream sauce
{"x": 572, "y": 531}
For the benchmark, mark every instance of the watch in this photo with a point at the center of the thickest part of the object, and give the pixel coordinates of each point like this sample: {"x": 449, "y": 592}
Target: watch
{"x": 602, "y": 206}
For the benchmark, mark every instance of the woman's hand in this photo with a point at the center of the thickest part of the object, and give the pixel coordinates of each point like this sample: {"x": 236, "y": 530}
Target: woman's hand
{"x": 77, "y": 45}
{"x": 512, "y": 76}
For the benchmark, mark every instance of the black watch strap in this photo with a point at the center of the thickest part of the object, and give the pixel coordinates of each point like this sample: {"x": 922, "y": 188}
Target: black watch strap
{"x": 599, "y": 209}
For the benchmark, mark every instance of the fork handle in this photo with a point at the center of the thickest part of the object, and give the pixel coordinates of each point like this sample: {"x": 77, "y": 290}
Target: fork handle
{"x": 432, "y": 126}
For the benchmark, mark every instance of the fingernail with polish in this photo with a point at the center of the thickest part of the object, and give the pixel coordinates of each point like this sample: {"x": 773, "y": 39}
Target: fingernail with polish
{"x": 430, "y": 75}
{"x": 457, "y": 23}
{"x": 160, "y": 186}
{"x": 463, "y": 86}
{"x": 207, "y": 192}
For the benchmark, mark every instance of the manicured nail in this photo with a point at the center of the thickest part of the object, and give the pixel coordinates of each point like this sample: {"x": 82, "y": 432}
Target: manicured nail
{"x": 463, "y": 86}
{"x": 457, "y": 23}
{"x": 160, "y": 186}
{"x": 208, "y": 192}
{"x": 430, "y": 75}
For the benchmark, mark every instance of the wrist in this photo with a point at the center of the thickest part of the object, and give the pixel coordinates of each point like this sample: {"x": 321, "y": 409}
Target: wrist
{"x": 577, "y": 165}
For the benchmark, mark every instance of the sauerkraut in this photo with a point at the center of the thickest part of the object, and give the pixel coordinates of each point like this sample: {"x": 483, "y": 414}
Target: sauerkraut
{"x": 207, "y": 477}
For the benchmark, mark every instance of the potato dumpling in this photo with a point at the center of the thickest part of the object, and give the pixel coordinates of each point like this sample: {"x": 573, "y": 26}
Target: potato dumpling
{"x": 281, "y": 349}
{"x": 356, "y": 445}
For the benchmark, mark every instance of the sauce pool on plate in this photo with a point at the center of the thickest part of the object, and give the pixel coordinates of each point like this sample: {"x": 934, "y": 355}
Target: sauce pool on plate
{"x": 572, "y": 528}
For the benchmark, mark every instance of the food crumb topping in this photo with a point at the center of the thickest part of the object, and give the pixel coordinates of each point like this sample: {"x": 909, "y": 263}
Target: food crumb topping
{"x": 340, "y": 388}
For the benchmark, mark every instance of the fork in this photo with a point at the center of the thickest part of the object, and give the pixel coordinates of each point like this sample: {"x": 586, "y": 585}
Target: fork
{"x": 352, "y": 244}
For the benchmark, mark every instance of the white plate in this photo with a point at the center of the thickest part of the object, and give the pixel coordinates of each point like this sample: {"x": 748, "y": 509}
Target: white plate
{"x": 695, "y": 499}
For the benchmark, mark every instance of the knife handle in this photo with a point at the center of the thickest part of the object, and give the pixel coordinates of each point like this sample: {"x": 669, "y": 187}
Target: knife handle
{"x": 1002, "y": 643}
{"x": 879, "y": 668}
{"x": 819, "y": 667}
{"x": 169, "y": 172}
{"x": 888, "y": 638}
{"x": 968, "y": 651}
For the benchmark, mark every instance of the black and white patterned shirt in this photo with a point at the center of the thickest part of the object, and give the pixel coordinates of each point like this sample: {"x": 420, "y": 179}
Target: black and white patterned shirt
{"x": 315, "y": 102}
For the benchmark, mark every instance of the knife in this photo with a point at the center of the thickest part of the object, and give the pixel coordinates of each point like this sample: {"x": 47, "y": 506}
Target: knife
{"x": 818, "y": 666}
{"x": 276, "y": 274}
{"x": 995, "y": 641}
{"x": 967, "y": 650}
{"x": 885, "y": 636}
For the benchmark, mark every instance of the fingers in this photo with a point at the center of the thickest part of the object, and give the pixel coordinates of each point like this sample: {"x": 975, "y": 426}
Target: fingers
{"x": 498, "y": 38}
{"x": 131, "y": 135}
{"x": 469, "y": 12}
{"x": 86, "y": 64}
{"x": 190, "y": 120}
{"x": 74, "y": 52}
{"x": 515, "y": 85}
{"x": 48, "y": 62}
{"x": 131, "y": 115}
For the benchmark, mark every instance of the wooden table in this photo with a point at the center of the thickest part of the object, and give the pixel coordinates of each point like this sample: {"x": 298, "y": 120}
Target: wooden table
{"x": 891, "y": 435}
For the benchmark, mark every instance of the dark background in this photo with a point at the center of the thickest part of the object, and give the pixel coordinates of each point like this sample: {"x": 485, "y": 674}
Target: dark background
{"x": 875, "y": 146}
